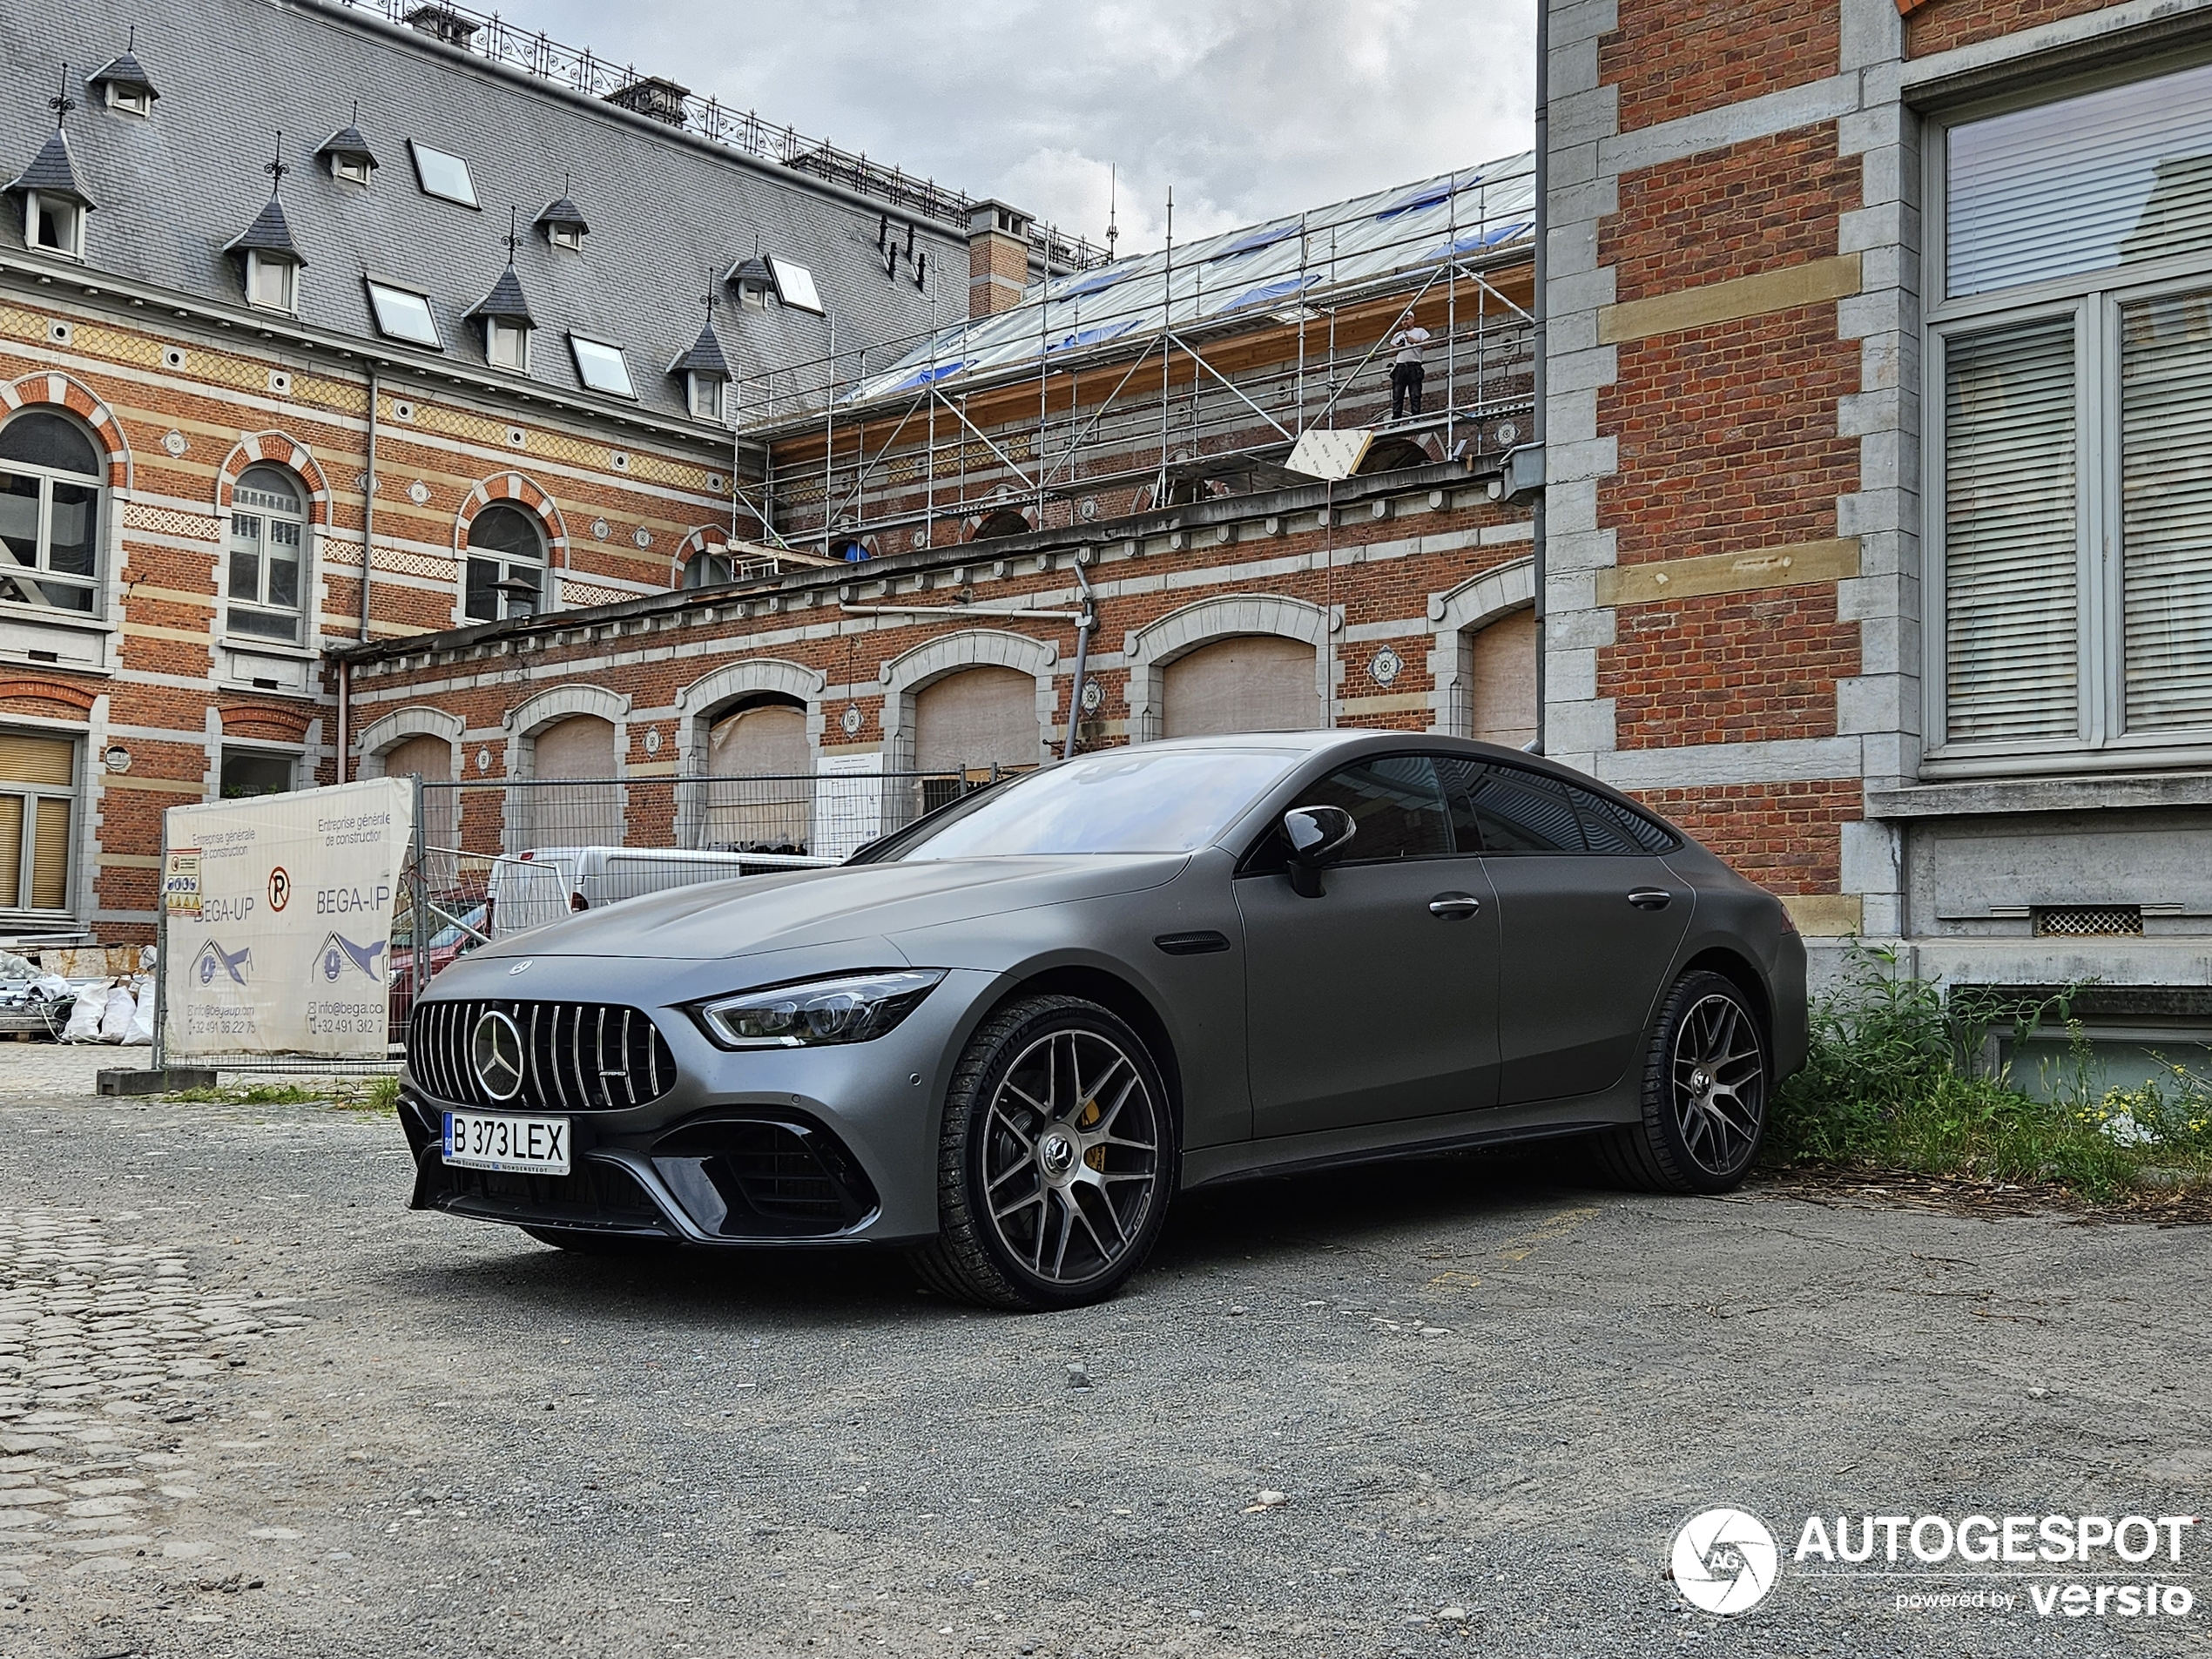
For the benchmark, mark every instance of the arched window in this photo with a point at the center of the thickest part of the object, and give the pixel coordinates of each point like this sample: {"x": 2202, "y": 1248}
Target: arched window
{"x": 711, "y": 567}
{"x": 1004, "y": 521}
{"x": 51, "y": 475}
{"x": 268, "y": 553}
{"x": 506, "y": 574}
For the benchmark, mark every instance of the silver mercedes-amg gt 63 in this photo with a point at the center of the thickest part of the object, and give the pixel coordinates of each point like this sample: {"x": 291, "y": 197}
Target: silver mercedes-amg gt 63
{"x": 1006, "y": 1035}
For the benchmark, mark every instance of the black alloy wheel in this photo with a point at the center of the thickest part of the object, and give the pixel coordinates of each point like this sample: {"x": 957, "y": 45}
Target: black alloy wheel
{"x": 1706, "y": 1085}
{"x": 1055, "y": 1162}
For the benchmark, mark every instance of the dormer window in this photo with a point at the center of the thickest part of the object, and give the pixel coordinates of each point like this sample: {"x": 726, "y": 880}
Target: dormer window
{"x": 271, "y": 282}
{"x": 708, "y": 396}
{"x": 124, "y": 83}
{"x": 351, "y": 159}
{"x": 755, "y": 283}
{"x": 54, "y": 223}
{"x": 507, "y": 345}
{"x": 54, "y": 204}
{"x": 562, "y": 223}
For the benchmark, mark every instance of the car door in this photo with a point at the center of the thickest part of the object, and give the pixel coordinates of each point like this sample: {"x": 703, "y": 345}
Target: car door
{"x": 1589, "y": 917}
{"x": 1377, "y": 1001}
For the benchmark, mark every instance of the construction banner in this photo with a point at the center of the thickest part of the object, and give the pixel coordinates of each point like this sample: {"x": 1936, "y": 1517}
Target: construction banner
{"x": 278, "y": 912}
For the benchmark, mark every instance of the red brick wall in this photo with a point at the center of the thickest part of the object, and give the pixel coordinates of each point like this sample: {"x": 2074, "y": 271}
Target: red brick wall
{"x": 1938, "y": 25}
{"x": 1786, "y": 837}
{"x": 1729, "y": 668}
{"x": 1679, "y": 60}
{"x": 1728, "y": 436}
{"x": 1749, "y": 208}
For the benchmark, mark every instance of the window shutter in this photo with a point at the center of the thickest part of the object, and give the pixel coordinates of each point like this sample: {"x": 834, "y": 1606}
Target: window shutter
{"x": 35, "y": 761}
{"x": 49, "y": 857}
{"x": 2113, "y": 177}
{"x": 2165, "y": 511}
{"x": 2011, "y": 642}
{"x": 11, "y": 850}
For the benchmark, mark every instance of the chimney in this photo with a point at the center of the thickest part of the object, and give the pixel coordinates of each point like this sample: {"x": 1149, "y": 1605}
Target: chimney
{"x": 655, "y": 99}
{"x": 442, "y": 23}
{"x": 998, "y": 257}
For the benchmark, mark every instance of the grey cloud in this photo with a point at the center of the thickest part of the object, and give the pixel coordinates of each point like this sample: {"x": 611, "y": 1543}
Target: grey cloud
{"x": 1248, "y": 109}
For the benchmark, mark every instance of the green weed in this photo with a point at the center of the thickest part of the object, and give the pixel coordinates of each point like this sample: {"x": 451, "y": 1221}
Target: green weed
{"x": 1905, "y": 1074}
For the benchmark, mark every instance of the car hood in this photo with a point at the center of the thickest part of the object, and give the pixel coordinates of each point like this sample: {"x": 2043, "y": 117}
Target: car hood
{"x": 756, "y": 913}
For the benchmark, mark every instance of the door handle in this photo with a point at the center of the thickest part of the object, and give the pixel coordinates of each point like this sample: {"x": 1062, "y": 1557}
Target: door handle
{"x": 1650, "y": 898}
{"x": 1455, "y": 907}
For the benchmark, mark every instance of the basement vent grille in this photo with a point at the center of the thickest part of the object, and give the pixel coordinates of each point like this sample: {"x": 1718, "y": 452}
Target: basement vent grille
{"x": 2089, "y": 921}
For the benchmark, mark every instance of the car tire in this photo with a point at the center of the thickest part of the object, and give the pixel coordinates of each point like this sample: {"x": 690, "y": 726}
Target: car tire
{"x": 580, "y": 1241}
{"x": 1708, "y": 1081}
{"x": 1055, "y": 1162}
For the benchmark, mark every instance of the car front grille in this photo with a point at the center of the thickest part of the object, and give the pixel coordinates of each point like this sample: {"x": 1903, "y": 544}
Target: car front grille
{"x": 576, "y": 1056}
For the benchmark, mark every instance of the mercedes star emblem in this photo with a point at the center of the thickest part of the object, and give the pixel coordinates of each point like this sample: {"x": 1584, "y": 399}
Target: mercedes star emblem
{"x": 496, "y": 1049}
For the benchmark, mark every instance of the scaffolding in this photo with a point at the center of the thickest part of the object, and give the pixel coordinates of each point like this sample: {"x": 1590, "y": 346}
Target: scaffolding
{"x": 1172, "y": 378}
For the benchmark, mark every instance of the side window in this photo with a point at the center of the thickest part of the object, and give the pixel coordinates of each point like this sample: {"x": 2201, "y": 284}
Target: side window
{"x": 1612, "y": 827}
{"x": 1397, "y": 801}
{"x": 1504, "y": 809}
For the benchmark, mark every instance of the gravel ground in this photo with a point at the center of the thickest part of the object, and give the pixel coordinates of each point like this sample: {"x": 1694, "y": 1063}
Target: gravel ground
{"x": 250, "y": 1406}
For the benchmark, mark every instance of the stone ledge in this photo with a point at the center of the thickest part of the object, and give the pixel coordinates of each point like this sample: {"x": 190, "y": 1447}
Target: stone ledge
{"x": 1996, "y": 797}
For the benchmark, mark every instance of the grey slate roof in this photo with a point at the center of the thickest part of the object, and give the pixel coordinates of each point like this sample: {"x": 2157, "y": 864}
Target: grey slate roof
{"x": 124, "y": 70}
{"x": 667, "y": 209}
{"x": 505, "y": 301}
{"x": 53, "y": 171}
{"x": 347, "y": 144}
{"x": 705, "y": 356}
{"x": 269, "y": 234}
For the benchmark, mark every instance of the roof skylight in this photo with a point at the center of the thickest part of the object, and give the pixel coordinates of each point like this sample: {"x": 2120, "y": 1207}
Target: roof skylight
{"x": 600, "y": 366}
{"x": 442, "y": 175}
{"x": 403, "y": 314}
{"x": 795, "y": 286}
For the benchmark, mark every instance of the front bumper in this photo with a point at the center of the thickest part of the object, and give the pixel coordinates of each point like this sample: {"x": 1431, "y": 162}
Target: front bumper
{"x": 825, "y": 1145}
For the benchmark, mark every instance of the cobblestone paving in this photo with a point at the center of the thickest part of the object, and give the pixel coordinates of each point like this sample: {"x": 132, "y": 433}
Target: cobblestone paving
{"x": 70, "y": 1070}
{"x": 107, "y": 1350}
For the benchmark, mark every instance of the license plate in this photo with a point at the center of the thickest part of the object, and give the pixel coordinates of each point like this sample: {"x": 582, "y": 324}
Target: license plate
{"x": 517, "y": 1145}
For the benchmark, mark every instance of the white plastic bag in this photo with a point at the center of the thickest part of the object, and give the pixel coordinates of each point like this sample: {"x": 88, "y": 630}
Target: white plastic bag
{"x": 116, "y": 1017}
{"x": 84, "y": 1019}
{"x": 142, "y": 1014}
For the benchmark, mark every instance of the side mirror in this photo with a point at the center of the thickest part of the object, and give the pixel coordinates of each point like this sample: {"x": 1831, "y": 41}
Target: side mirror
{"x": 1318, "y": 836}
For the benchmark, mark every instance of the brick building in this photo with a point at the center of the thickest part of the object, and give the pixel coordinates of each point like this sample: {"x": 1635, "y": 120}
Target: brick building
{"x": 1878, "y": 509}
{"x": 278, "y": 281}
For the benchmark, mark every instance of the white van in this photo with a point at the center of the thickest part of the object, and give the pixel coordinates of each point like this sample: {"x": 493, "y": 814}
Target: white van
{"x": 547, "y": 883}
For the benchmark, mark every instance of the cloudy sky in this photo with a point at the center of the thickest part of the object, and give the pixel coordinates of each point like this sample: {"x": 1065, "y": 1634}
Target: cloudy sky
{"x": 1249, "y": 108}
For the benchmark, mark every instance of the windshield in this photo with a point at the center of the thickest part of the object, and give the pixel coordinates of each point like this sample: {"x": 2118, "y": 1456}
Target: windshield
{"x": 1123, "y": 801}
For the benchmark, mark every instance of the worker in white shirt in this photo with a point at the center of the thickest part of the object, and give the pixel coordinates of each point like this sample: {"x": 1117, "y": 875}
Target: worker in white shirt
{"x": 1406, "y": 370}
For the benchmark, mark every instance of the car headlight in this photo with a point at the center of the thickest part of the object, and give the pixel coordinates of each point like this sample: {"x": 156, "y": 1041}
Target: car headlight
{"x": 852, "y": 1007}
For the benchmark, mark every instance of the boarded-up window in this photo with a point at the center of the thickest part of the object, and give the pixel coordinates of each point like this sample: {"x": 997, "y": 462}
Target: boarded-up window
{"x": 1252, "y": 682}
{"x": 561, "y": 813}
{"x": 36, "y": 806}
{"x": 977, "y": 719}
{"x": 1503, "y": 680}
{"x": 430, "y": 759}
{"x": 762, "y": 795}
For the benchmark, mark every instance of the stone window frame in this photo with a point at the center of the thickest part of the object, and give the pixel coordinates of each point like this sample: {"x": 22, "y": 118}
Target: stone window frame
{"x": 1148, "y": 651}
{"x": 906, "y": 675}
{"x": 1459, "y": 614}
{"x": 2091, "y": 301}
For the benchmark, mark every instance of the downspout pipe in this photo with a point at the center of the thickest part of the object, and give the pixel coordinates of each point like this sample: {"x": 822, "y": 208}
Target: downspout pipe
{"x": 1084, "y": 623}
{"x": 1543, "y": 239}
{"x": 368, "y": 560}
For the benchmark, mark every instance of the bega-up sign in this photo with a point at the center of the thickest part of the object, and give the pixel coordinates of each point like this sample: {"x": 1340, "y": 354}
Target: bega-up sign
{"x": 279, "y": 920}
